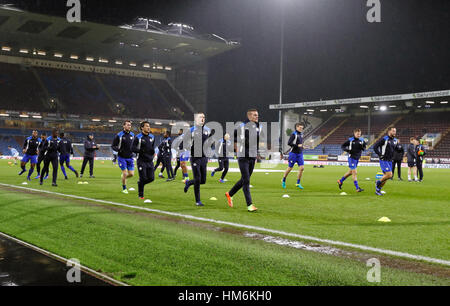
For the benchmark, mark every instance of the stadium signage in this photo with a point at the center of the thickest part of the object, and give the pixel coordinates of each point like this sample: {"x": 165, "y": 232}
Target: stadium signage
{"x": 374, "y": 99}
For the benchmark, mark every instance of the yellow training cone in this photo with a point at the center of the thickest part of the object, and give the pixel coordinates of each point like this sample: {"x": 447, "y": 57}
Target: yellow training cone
{"x": 384, "y": 219}
{"x": 213, "y": 199}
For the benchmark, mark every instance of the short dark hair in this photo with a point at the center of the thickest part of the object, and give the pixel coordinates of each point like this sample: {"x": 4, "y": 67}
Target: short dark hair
{"x": 251, "y": 110}
{"x": 143, "y": 123}
{"x": 61, "y": 134}
{"x": 299, "y": 124}
{"x": 356, "y": 130}
{"x": 126, "y": 122}
{"x": 412, "y": 138}
{"x": 391, "y": 128}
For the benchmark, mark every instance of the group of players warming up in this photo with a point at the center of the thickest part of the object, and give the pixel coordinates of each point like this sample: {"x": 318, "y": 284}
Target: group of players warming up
{"x": 125, "y": 145}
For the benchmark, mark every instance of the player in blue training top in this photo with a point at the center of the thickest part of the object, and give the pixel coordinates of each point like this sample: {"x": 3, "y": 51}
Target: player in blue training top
{"x": 122, "y": 145}
{"x": 354, "y": 146}
{"x": 295, "y": 155}
{"x": 31, "y": 151}
{"x": 385, "y": 148}
{"x": 66, "y": 149}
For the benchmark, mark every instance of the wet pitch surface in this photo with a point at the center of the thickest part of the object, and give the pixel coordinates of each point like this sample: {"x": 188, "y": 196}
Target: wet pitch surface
{"x": 23, "y": 266}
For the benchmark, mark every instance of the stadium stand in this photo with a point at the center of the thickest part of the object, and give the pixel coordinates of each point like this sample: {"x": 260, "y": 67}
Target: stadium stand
{"x": 75, "y": 92}
{"x": 19, "y": 89}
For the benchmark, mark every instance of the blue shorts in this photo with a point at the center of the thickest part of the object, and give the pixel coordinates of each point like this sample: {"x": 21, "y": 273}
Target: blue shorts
{"x": 352, "y": 163}
{"x": 184, "y": 156}
{"x": 386, "y": 166}
{"x": 126, "y": 164}
{"x": 296, "y": 158}
{"x": 31, "y": 158}
{"x": 64, "y": 158}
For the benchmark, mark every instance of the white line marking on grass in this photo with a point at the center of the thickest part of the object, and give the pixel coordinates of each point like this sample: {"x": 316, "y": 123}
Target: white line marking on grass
{"x": 64, "y": 260}
{"x": 250, "y": 227}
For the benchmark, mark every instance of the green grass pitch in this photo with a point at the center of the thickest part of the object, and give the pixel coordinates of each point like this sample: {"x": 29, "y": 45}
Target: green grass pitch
{"x": 142, "y": 250}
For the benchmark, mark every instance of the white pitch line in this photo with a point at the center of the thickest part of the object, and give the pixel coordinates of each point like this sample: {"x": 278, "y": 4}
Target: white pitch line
{"x": 251, "y": 227}
{"x": 64, "y": 260}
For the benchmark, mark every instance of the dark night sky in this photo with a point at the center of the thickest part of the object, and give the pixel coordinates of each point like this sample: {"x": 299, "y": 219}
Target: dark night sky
{"x": 331, "y": 51}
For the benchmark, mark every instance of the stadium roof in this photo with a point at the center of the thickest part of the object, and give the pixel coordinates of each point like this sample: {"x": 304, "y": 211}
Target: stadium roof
{"x": 24, "y": 30}
{"x": 422, "y": 96}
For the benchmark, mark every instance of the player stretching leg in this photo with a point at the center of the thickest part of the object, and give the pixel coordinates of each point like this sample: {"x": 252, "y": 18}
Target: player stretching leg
{"x": 31, "y": 151}
{"x": 246, "y": 159}
{"x": 144, "y": 147}
{"x": 354, "y": 147}
{"x": 385, "y": 148}
{"x": 224, "y": 163}
{"x": 296, "y": 155}
{"x": 122, "y": 145}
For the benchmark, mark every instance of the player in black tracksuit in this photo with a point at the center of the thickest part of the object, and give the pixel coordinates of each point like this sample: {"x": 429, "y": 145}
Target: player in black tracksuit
{"x": 397, "y": 162}
{"x": 180, "y": 147}
{"x": 224, "y": 163}
{"x": 247, "y": 152}
{"x": 144, "y": 147}
{"x": 51, "y": 148}
{"x": 165, "y": 147}
{"x": 89, "y": 153}
{"x": 41, "y": 156}
{"x": 199, "y": 134}
{"x": 419, "y": 158}
{"x": 159, "y": 161}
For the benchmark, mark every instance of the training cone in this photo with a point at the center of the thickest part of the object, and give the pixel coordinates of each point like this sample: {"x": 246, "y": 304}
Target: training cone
{"x": 286, "y": 196}
{"x": 343, "y": 193}
{"x": 24, "y": 183}
{"x": 148, "y": 201}
{"x": 85, "y": 183}
{"x": 131, "y": 189}
{"x": 213, "y": 199}
{"x": 384, "y": 219}
{"x": 80, "y": 183}
{"x": 251, "y": 186}
{"x": 267, "y": 173}
{"x": 367, "y": 178}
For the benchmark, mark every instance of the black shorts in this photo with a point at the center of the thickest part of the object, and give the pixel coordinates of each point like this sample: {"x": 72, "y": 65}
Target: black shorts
{"x": 411, "y": 164}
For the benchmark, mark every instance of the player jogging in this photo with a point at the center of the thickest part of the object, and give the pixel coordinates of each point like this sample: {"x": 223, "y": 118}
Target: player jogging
{"x": 354, "y": 146}
{"x": 31, "y": 151}
{"x": 224, "y": 163}
{"x": 247, "y": 151}
{"x": 144, "y": 147}
{"x": 66, "y": 149}
{"x": 295, "y": 155}
{"x": 122, "y": 145}
{"x": 199, "y": 134}
{"x": 165, "y": 148}
{"x": 41, "y": 157}
{"x": 385, "y": 148}
{"x": 51, "y": 148}
{"x": 15, "y": 156}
